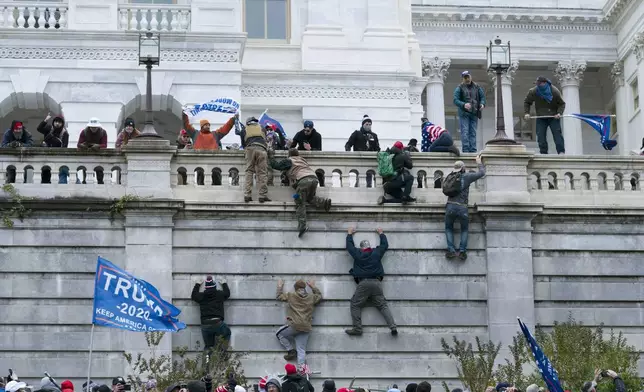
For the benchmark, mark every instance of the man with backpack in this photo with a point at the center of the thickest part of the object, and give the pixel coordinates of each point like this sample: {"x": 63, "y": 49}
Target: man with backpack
{"x": 456, "y": 187}
{"x": 394, "y": 165}
{"x": 294, "y": 382}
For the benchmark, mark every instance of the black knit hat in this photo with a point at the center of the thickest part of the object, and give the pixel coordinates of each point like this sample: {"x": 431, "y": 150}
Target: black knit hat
{"x": 365, "y": 119}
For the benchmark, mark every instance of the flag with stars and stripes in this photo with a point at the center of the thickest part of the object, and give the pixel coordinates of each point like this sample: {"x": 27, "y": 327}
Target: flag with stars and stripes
{"x": 124, "y": 301}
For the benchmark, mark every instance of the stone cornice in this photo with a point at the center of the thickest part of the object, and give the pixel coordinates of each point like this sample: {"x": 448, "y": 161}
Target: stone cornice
{"x": 614, "y": 9}
{"x": 509, "y": 18}
{"x": 319, "y": 92}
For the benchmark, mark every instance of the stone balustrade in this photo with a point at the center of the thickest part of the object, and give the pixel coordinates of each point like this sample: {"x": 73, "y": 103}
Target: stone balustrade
{"x": 346, "y": 177}
{"x": 31, "y": 15}
{"x": 155, "y": 17}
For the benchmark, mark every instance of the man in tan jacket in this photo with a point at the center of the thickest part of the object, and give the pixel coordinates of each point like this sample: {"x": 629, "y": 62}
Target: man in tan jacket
{"x": 299, "y": 316}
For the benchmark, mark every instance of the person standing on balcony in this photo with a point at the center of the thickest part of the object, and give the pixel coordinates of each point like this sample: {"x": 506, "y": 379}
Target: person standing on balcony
{"x": 256, "y": 154}
{"x": 17, "y": 136}
{"x": 436, "y": 138}
{"x": 55, "y": 134}
{"x": 204, "y": 139}
{"x": 308, "y": 139}
{"x": 299, "y": 316}
{"x": 456, "y": 187}
{"x": 548, "y": 103}
{"x": 305, "y": 182}
{"x": 368, "y": 273}
{"x": 93, "y": 137}
{"x": 364, "y": 139}
{"x": 128, "y": 133}
{"x": 211, "y": 306}
{"x": 469, "y": 97}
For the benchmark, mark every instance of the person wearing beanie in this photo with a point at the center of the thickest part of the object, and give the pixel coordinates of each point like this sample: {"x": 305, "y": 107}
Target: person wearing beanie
{"x": 256, "y": 155}
{"x": 469, "y": 97}
{"x": 17, "y": 136}
{"x": 128, "y": 133}
{"x": 305, "y": 182}
{"x": 67, "y": 386}
{"x": 363, "y": 139}
{"x": 299, "y": 316}
{"x": 412, "y": 146}
{"x": 411, "y": 387}
{"x": 436, "y": 138}
{"x": 368, "y": 273}
{"x": 532, "y": 388}
{"x": 273, "y": 384}
{"x": 215, "y": 332}
{"x": 55, "y": 134}
{"x": 47, "y": 384}
{"x": 328, "y": 386}
{"x": 398, "y": 185}
{"x": 295, "y": 382}
{"x": 308, "y": 139}
{"x": 204, "y": 139}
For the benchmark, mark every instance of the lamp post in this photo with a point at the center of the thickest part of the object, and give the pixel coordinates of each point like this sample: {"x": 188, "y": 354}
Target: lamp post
{"x": 498, "y": 60}
{"x": 149, "y": 55}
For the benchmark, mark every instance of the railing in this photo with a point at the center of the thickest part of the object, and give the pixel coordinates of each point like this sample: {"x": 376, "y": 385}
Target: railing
{"x": 33, "y": 16}
{"x": 154, "y": 17}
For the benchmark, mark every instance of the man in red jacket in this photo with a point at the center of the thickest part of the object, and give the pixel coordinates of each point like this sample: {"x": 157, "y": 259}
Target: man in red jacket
{"x": 93, "y": 137}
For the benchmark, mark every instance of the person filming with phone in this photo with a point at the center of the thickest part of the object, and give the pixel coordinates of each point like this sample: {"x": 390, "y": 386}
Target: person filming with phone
{"x": 591, "y": 386}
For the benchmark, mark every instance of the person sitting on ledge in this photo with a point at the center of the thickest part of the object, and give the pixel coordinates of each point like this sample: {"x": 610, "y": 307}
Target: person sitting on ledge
{"x": 399, "y": 185}
{"x": 17, "y": 136}
{"x": 93, "y": 136}
{"x": 204, "y": 139}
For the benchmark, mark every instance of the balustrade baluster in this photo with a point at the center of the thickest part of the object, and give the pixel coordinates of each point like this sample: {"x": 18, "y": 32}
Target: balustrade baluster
{"x": 133, "y": 21}
{"x": 31, "y": 21}
{"x": 20, "y": 175}
{"x": 62, "y": 21}
{"x": 185, "y": 20}
{"x": 123, "y": 19}
{"x": 154, "y": 24}
{"x": 51, "y": 21}
{"x": 21, "y": 17}
{"x": 164, "y": 20}
{"x": 7, "y": 18}
{"x": 174, "y": 24}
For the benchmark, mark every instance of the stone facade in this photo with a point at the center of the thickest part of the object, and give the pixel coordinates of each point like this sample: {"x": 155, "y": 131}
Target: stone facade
{"x": 549, "y": 236}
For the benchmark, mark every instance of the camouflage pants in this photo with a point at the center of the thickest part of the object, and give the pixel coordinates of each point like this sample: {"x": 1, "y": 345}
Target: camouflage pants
{"x": 256, "y": 163}
{"x": 306, "y": 188}
{"x": 270, "y": 174}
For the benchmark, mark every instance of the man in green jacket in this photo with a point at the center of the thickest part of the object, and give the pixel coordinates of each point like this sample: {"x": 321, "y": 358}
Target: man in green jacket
{"x": 299, "y": 317}
{"x": 469, "y": 97}
{"x": 547, "y": 103}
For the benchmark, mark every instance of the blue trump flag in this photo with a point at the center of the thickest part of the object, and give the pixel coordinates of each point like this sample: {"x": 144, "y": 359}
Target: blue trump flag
{"x": 548, "y": 372}
{"x": 265, "y": 120}
{"x": 601, "y": 124}
{"x": 124, "y": 301}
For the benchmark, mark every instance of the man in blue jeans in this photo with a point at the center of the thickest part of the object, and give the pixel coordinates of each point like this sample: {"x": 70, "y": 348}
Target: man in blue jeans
{"x": 456, "y": 209}
{"x": 469, "y": 97}
{"x": 549, "y": 104}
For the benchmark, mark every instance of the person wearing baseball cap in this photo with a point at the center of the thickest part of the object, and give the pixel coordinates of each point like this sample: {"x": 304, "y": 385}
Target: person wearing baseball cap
{"x": 548, "y": 103}
{"x": 118, "y": 384}
{"x": 469, "y": 97}
{"x": 398, "y": 185}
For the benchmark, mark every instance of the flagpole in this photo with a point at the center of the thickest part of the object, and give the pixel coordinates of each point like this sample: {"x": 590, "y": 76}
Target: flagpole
{"x": 570, "y": 115}
{"x": 262, "y": 115}
{"x": 89, "y": 363}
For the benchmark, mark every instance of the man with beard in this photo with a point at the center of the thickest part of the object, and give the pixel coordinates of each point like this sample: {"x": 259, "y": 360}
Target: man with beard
{"x": 17, "y": 136}
{"x": 55, "y": 134}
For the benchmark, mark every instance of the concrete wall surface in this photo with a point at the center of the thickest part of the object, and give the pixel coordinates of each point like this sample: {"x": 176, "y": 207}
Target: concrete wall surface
{"x": 549, "y": 237}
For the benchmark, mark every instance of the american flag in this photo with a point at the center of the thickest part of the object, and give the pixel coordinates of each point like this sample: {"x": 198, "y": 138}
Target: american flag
{"x": 430, "y": 132}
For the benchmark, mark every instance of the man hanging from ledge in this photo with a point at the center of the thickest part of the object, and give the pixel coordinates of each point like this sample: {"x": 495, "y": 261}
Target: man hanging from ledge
{"x": 211, "y": 305}
{"x": 204, "y": 139}
{"x": 17, "y": 136}
{"x": 305, "y": 182}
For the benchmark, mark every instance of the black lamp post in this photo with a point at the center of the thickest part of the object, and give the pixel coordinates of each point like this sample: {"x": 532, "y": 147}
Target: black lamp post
{"x": 498, "y": 60}
{"x": 149, "y": 55}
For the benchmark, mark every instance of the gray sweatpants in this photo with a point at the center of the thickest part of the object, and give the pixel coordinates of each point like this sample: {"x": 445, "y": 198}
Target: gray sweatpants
{"x": 286, "y": 333}
{"x": 369, "y": 290}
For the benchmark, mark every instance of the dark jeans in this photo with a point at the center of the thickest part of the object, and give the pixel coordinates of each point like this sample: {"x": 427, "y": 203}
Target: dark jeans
{"x": 400, "y": 186}
{"x": 442, "y": 143}
{"x": 452, "y": 213}
{"x": 468, "y": 126}
{"x": 555, "y": 128}
{"x": 211, "y": 333}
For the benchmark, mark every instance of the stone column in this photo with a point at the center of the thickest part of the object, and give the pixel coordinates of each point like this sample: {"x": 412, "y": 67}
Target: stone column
{"x": 570, "y": 74}
{"x": 638, "y": 48}
{"x": 416, "y": 88}
{"x": 436, "y": 71}
{"x": 625, "y": 141}
{"x": 506, "y": 89}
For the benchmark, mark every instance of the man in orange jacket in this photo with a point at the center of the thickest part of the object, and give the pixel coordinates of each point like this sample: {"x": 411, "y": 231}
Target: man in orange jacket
{"x": 204, "y": 139}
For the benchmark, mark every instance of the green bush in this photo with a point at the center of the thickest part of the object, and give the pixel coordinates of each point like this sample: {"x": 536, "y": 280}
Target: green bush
{"x": 474, "y": 368}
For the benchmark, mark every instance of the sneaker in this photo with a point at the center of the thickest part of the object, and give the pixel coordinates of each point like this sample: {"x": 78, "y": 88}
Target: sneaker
{"x": 451, "y": 255}
{"x": 247, "y": 199}
{"x": 408, "y": 199}
{"x": 454, "y": 150}
{"x": 290, "y": 355}
{"x": 381, "y": 200}
{"x": 462, "y": 255}
{"x": 327, "y": 205}
{"x": 302, "y": 231}
{"x": 353, "y": 331}
{"x": 394, "y": 332}
{"x": 264, "y": 199}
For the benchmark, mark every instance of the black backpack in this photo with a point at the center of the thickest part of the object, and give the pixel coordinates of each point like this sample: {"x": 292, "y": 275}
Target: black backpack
{"x": 452, "y": 184}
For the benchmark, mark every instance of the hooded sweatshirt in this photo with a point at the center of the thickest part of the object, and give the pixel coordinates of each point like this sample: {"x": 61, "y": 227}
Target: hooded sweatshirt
{"x": 299, "y": 314}
{"x": 25, "y": 136}
{"x": 211, "y": 302}
{"x": 54, "y": 137}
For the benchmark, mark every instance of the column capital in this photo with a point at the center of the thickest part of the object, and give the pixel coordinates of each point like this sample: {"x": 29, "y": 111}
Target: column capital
{"x": 570, "y": 72}
{"x": 436, "y": 69}
{"x": 638, "y": 46}
{"x": 507, "y": 76}
{"x": 617, "y": 74}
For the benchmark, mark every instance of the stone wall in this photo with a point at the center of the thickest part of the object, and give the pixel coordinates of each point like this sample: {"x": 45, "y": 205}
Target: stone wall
{"x": 537, "y": 253}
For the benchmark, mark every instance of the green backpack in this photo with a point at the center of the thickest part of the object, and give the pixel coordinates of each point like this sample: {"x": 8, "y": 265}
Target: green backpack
{"x": 385, "y": 164}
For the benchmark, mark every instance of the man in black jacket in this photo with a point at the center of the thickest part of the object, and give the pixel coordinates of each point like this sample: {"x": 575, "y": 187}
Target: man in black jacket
{"x": 211, "y": 305}
{"x": 399, "y": 185}
{"x": 364, "y": 139}
{"x": 308, "y": 139}
{"x": 55, "y": 134}
{"x": 294, "y": 382}
{"x": 368, "y": 273}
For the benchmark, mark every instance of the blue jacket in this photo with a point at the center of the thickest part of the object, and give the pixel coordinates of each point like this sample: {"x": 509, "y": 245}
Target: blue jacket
{"x": 367, "y": 264}
{"x": 25, "y": 139}
{"x": 461, "y": 98}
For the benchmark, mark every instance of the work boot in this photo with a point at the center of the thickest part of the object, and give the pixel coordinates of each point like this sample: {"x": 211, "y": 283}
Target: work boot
{"x": 450, "y": 254}
{"x": 454, "y": 150}
{"x": 247, "y": 199}
{"x": 463, "y": 255}
{"x": 408, "y": 199}
{"x": 302, "y": 231}
{"x": 327, "y": 205}
{"x": 381, "y": 200}
{"x": 290, "y": 355}
{"x": 353, "y": 331}
{"x": 394, "y": 331}
{"x": 264, "y": 199}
